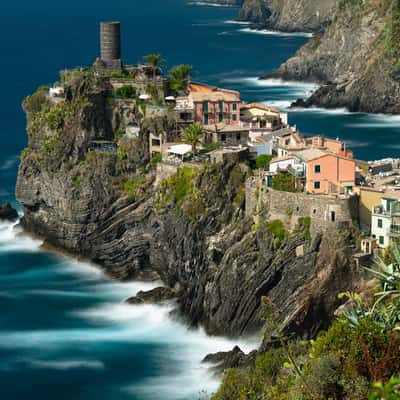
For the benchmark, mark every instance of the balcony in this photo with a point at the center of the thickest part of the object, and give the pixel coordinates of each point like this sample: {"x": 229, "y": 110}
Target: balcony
{"x": 299, "y": 172}
{"x": 394, "y": 230}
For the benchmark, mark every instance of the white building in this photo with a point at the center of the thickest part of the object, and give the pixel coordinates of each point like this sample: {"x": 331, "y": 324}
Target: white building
{"x": 385, "y": 222}
{"x": 283, "y": 164}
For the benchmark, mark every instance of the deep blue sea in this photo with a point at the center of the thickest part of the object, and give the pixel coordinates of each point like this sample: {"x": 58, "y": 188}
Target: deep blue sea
{"x": 65, "y": 332}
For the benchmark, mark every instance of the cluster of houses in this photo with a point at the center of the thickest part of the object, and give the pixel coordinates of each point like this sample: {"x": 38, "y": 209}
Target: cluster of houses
{"x": 234, "y": 129}
{"x": 226, "y": 120}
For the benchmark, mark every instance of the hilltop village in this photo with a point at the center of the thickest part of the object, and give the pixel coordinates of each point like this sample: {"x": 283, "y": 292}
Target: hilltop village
{"x": 251, "y": 226}
{"x": 298, "y": 176}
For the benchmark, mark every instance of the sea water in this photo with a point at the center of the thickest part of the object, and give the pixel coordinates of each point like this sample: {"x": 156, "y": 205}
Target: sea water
{"x": 65, "y": 331}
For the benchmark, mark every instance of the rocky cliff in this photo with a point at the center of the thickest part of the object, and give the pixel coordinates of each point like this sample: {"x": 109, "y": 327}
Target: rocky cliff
{"x": 356, "y": 59}
{"x": 289, "y": 15}
{"x": 187, "y": 227}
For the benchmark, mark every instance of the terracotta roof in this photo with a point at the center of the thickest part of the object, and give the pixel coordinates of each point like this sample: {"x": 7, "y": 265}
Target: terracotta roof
{"x": 284, "y": 158}
{"x": 311, "y": 154}
{"x": 314, "y": 153}
{"x": 200, "y": 92}
{"x": 261, "y": 107}
{"x": 227, "y": 128}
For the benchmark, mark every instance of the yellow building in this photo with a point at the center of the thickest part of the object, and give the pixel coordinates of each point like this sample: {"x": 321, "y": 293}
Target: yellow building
{"x": 369, "y": 198}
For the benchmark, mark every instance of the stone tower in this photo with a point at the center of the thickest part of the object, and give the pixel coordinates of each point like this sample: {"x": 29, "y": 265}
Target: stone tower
{"x": 110, "y": 45}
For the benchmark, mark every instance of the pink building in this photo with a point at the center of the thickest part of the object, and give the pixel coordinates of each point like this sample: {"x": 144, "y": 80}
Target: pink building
{"x": 327, "y": 172}
{"x": 209, "y": 105}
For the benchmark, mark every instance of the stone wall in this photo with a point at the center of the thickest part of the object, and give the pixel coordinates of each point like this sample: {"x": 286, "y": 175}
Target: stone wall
{"x": 326, "y": 212}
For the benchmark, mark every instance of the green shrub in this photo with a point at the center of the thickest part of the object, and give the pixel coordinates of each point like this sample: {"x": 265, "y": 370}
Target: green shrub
{"x": 76, "y": 181}
{"x": 24, "y": 153}
{"x": 135, "y": 188}
{"x": 37, "y": 102}
{"x": 156, "y": 158}
{"x": 119, "y": 133}
{"x": 126, "y": 92}
{"x": 388, "y": 391}
{"x": 305, "y": 224}
{"x": 212, "y": 146}
{"x": 277, "y": 228}
{"x": 262, "y": 161}
{"x": 283, "y": 182}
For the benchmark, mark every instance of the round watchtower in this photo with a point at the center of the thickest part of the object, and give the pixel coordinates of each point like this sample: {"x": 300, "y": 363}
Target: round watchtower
{"x": 110, "y": 43}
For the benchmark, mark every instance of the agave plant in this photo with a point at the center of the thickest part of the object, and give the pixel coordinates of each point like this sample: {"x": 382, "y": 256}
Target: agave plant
{"x": 386, "y": 309}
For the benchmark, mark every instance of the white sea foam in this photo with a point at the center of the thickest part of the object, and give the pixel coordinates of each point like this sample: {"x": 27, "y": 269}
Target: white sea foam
{"x": 281, "y": 104}
{"x": 271, "y": 83}
{"x": 9, "y": 163}
{"x": 207, "y": 4}
{"x": 275, "y": 33}
{"x": 12, "y": 238}
{"x": 177, "y": 349}
{"x": 319, "y": 110}
{"x": 234, "y": 22}
{"x": 377, "y": 121}
{"x": 66, "y": 364}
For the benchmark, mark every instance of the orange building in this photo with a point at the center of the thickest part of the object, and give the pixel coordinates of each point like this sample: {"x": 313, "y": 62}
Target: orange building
{"x": 327, "y": 172}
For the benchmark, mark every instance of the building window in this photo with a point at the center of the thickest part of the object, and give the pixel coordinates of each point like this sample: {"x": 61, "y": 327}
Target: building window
{"x": 220, "y": 117}
{"x": 205, "y": 106}
{"x": 223, "y": 137}
{"x": 317, "y": 185}
{"x": 234, "y": 117}
{"x": 205, "y": 120}
{"x": 238, "y": 137}
{"x": 220, "y": 106}
{"x": 317, "y": 169}
{"x": 381, "y": 240}
{"x": 380, "y": 223}
{"x": 234, "y": 106}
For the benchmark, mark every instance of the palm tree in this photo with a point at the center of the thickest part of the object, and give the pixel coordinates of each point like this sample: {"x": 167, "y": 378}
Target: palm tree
{"x": 178, "y": 77}
{"x": 156, "y": 62}
{"x": 193, "y": 135}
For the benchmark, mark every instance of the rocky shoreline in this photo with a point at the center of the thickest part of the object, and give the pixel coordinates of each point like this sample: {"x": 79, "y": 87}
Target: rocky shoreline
{"x": 353, "y": 53}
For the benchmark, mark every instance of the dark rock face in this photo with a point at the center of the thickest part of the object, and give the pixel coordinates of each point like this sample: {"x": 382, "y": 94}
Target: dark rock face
{"x": 7, "y": 213}
{"x": 353, "y": 59}
{"x": 289, "y": 15}
{"x": 224, "y": 360}
{"x": 204, "y": 247}
{"x": 157, "y": 295}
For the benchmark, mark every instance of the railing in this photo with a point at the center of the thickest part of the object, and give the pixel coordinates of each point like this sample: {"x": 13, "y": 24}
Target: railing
{"x": 296, "y": 172}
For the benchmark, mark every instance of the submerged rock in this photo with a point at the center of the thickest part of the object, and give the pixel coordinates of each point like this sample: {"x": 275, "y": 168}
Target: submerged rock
{"x": 156, "y": 295}
{"x": 8, "y": 213}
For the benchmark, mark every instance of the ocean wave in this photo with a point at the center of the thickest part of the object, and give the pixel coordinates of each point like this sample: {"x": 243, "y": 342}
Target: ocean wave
{"x": 66, "y": 364}
{"x": 281, "y": 104}
{"x": 377, "y": 121}
{"x": 275, "y": 33}
{"x": 207, "y": 4}
{"x": 272, "y": 82}
{"x": 356, "y": 144}
{"x": 234, "y": 22}
{"x": 9, "y": 163}
{"x": 12, "y": 238}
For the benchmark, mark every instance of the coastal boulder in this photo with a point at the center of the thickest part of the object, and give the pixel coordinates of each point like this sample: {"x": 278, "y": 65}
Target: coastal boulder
{"x": 157, "y": 295}
{"x": 8, "y": 213}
